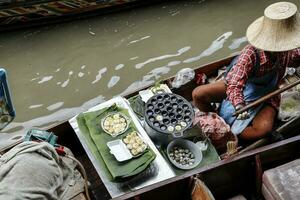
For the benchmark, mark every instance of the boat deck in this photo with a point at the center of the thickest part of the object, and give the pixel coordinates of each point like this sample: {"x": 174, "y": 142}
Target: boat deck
{"x": 231, "y": 170}
{"x": 249, "y": 164}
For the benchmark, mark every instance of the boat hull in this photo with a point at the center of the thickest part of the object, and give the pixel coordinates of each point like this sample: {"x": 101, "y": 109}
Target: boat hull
{"x": 224, "y": 178}
{"x": 18, "y": 14}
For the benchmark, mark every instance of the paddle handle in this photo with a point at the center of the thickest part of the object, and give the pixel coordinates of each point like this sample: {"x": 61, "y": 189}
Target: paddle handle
{"x": 266, "y": 97}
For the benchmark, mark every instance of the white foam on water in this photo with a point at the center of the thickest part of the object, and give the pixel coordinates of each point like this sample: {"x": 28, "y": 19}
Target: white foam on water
{"x": 64, "y": 84}
{"x": 35, "y": 106}
{"x": 57, "y": 70}
{"x": 99, "y": 75}
{"x": 113, "y": 81}
{"x": 33, "y": 79}
{"x": 119, "y": 43}
{"x": 175, "y": 13}
{"x": 119, "y": 66}
{"x": 143, "y": 38}
{"x": 158, "y": 72}
{"x": 80, "y": 74}
{"x": 133, "y": 58}
{"x": 173, "y": 63}
{"x": 215, "y": 46}
{"x": 57, "y": 116}
{"x": 138, "y": 40}
{"x": 148, "y": 79}
{"x": 137, "y": 84}
{"x": 179, "y": 52}
{"x": 83, "y": 66}
{"x": 236, "y": 43}
{"x": 55, "y": 106}
{"x": 45, "y": 79}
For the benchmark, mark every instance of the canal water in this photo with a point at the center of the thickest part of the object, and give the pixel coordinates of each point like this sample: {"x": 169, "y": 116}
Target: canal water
{"x": 57, "y": 71}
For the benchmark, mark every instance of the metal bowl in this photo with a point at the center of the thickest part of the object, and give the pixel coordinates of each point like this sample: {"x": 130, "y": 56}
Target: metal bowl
{"x": 111, "y": 114}
{"x": 186, "y": 144}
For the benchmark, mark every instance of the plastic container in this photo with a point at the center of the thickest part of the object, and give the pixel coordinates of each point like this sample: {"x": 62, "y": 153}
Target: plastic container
{"x": 136, "y": 143}
{"x": 183, "y": 76}
{"x": 202, "y": 145}
{"x": 186, "y": 144}
{"x": 119, "y": 150}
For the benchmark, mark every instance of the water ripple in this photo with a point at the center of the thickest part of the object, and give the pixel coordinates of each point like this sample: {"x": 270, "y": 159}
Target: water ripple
{"x": 99, "y": 75}
{"x": 147, "y": 80}
{"x": 215, "y": 46}
{"x": 113, "y": 81}
{"x": 133, "y": 58}
{"x": 45, "y": 79}
{"x": 119, "y": 66}
{"x": 57, "y": 116}
{"x": 35, "y": 106}
{"x": 236, "y": 43}
{"x": 135, "y": 41}
{"x": 137, "y": 84}
{"x": 179, "y": 52}
{"x": 80, "y": 74}
{"x": 173, "y": 63}
{"x": 65, "y": 83}
{"x": 157, "y": 72}
{"x": 55, "y": 106}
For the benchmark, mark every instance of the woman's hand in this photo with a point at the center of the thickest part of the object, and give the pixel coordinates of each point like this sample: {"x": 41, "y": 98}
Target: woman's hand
{"x": 244, "y": 115}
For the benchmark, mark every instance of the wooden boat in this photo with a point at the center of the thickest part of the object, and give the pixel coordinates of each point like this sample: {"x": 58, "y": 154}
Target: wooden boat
{"x": 225, "y": 178}
{"x": 21, "y": 13}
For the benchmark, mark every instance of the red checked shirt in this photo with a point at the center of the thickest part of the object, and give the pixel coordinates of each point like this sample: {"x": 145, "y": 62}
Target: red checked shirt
{"x": 240, "y": 72}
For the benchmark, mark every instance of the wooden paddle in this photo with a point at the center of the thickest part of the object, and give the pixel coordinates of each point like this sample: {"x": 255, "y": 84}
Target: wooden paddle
{"x": 266, "y": 97}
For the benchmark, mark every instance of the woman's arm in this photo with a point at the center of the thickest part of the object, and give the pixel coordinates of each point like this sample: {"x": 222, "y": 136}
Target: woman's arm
{"x": 238, "y": 75}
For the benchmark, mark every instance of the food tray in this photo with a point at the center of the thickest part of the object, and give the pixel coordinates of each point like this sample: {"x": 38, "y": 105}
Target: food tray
{"x": 113, "y": 122}
{"x": 135, "y": 144}
{"x": 162, "y": 170}
{"x": 131, "y": 146}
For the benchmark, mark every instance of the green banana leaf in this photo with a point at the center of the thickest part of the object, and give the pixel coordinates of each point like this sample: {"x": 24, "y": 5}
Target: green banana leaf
{"x": 92, "y": 146}
{"x": 96, "y": 138}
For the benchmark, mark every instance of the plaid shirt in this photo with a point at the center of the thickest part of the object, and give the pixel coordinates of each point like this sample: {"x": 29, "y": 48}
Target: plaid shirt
{"x": 239, "y": 73}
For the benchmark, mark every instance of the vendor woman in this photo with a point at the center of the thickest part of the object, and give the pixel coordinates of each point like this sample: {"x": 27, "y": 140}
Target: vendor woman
{"x": 274, "y": 45}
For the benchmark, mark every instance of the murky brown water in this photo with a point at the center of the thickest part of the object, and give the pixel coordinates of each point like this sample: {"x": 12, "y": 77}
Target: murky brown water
{"x": 57, "y": 71}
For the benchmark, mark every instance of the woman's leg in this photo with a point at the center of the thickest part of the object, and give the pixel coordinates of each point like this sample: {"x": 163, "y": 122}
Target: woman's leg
{"x": 261, "y": 125}
{"x": 204, "y": 95}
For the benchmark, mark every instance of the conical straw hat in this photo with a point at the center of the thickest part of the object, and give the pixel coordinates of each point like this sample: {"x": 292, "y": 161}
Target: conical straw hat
{"x": 277, "y": 30}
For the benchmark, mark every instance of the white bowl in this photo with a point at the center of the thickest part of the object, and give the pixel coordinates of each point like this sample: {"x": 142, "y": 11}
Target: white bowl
{"x": 186, "y": 144}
